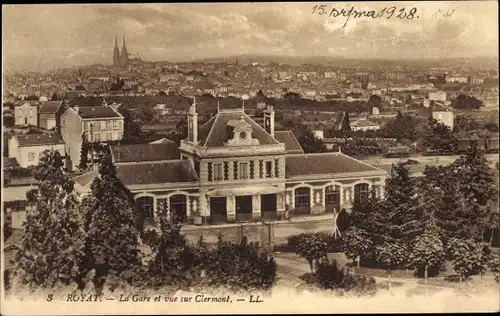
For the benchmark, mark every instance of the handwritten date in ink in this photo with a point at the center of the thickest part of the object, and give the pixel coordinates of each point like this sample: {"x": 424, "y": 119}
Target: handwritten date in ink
{"x": 392, "y": 12}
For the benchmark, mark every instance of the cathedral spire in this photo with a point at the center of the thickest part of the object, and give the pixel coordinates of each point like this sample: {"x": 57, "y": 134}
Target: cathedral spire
{"x": 116, "y": 54}
{"x": 124, "y": 54}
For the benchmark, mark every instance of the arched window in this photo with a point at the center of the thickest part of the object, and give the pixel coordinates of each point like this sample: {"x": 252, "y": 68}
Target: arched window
{"x": 145, "y": 205}
{"x": 178, "y": 208}
{"x": 303, "y": 199}
{"x": 361, "y": 191}
{"x": 332, "y": 198}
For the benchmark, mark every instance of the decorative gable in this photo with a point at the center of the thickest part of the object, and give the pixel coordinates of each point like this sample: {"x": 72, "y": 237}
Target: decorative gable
{"x": 240, "y": 133}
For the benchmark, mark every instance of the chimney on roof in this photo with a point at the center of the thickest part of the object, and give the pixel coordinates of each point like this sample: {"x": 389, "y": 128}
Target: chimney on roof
{"x": 269, "y": 120}
{"x": 193, "y": 123}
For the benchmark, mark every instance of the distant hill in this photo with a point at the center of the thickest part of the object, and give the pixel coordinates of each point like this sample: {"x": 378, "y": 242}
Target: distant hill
{"x": 473, "y": 62}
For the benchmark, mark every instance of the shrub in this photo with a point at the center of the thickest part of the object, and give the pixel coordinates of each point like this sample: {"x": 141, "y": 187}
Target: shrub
{"x": 328, "y": 276}
{"x": 495, "y": 267}
{"x": 240, "y": 266}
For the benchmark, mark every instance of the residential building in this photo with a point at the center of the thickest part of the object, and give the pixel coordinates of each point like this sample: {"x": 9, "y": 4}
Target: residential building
{"x": 26, "y": 149}
{"x": 49, "y": 114}
{"x": 365, "y": 125}
{"x": 25, "y": 113}
{"x": 443, "y": 115}
{"x": 94, "y": 124}
{"x": 437, "y": 96}
{"x": 231, "y": 169}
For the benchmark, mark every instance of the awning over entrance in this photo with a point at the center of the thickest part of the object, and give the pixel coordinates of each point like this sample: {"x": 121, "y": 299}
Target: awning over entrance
{"x": 244, "y": 191}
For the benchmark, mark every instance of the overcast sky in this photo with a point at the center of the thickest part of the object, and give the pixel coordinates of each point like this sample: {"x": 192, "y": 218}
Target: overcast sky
{"x": 66, "y": 35}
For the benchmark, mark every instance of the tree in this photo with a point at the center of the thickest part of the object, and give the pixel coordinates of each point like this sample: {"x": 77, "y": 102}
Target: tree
{"x": 111, "y": 225}
{"x": 309, "y": 142}
{"x": 455, "y": 217}
{"x": 402, "y": 127}
{"x": 427, "y": 250}
{"x": 391, "y": 255}
{"x": 439, "y": 137}
{"x": 375, "y": 100}
{"x": 311, "y": 247}
{"x": 355, "y": 243}
{"x": 463, "y": 101}
{"x": 241, "y": 266}
{"x": 468, "y": 257}
{"x": 52, "y": 243}
{"x": 466, "y": 193}
{"x": 54, "y": 97}
{"x": 346, "y": 124}
{"x": 174, "y": 260}
{"x": 400, "y": 207}
{"x": 84, "y": 152}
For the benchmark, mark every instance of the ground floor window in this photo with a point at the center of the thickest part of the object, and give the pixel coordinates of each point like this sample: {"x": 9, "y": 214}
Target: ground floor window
{"x": 145, "y": 205}
{"x": 332, "y": 198}
{"x": 361, "y": 192}
{"x": 178, "y": 208}
{"x": 303, "y": 199}
{"x": 218, "y": 208}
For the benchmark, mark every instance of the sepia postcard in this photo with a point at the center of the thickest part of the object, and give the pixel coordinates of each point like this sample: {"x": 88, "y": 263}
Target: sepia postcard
{"x": 249, "y": 158}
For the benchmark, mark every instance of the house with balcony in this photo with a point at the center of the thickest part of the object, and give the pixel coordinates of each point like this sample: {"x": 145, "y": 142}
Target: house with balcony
{"x": 231, "y": 169}
{"x": 93, "y": 124}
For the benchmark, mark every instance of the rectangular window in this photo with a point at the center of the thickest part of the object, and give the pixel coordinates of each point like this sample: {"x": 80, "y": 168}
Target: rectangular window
{"x": 209, "y": 171}
{"x": 115, "y": 124}
{"x": 103, "y": 125}
{"x": 243, "y": 171}
{"x": 269, "y": 167}
{"x": 252, "y": 169}
{"x": 218, "y": 172}
{"x": 31, "y": 156}
{"x": 235, "y": 170}
{"x": 109, "y": 136}
{"x": 120, "y": 135}
{"x": 276, "y": 168}
{"x": 226, "y": 170}
{"x": 108, "y": 125}
{"x": 97, "y": 137}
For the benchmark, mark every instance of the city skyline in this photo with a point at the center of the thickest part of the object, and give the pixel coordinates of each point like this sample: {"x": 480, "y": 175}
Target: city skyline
{"x": 84, "y": 34}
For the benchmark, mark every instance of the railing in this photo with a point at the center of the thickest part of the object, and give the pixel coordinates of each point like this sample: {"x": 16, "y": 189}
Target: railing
{"x": 240, "y": 217}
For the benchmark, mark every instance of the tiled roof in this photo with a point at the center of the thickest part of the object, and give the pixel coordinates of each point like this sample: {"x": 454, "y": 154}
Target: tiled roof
{"x": 174, "y": 171}
{"x": 39, "y": 140}
{"x": 219, "y": 133}
{"x": 205, "y": 129}
{"x": 291, "y": 143}
{"x": 97, "y": 112}
{"x": 163, "y": 141}
{"x": 50, "y": 107}
{"x": 86, "y": 178}
{"x": 365, "y": 123}
{"x": 145, "y": 152}
{"x": 324, "y": 163}
{"x": 150, "y": 173}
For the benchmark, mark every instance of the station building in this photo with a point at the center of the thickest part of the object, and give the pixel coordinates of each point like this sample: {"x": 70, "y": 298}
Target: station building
{"x": 231, "y": 169}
